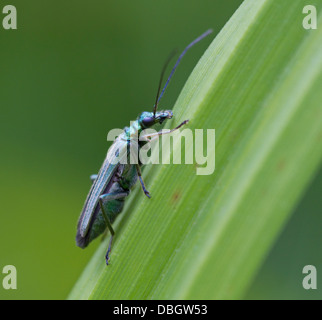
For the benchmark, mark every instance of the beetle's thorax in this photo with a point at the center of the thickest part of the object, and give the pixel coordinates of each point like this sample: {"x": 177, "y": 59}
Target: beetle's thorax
{"x": 133, "y": 131}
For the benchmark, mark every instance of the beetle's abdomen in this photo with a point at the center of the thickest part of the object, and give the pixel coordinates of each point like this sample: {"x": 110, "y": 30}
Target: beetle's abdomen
{"x": 98, "y": 223}
{"x": 112, "y": 208}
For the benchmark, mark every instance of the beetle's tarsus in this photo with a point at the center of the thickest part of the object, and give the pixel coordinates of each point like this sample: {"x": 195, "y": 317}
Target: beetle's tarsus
{"x": 107, "y": 258}
{"x": 147, "y": 193}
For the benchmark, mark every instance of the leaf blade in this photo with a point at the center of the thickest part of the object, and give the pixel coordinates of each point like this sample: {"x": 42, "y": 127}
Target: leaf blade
{"x": 252, "y": 85}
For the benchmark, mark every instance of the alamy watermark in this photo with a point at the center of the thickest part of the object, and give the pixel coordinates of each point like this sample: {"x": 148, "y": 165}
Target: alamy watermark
{"x": 310, "y": 20}
{"x": 9, "y": 280}
{"x": 154, "y": 147}
{"x": 310, "y": 280}
{"x": 9, "y": 21}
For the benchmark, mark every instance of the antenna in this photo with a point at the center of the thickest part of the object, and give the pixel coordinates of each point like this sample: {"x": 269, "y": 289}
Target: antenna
{"x": 161, "y": 78}
{"x": 175, "y": 66}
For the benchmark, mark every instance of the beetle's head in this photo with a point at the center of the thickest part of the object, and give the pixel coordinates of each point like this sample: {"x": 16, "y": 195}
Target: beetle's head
{"x": 148, "y": 119}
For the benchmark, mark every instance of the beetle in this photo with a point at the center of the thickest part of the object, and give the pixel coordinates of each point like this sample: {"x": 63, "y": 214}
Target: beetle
{"x": 115, "y": 179}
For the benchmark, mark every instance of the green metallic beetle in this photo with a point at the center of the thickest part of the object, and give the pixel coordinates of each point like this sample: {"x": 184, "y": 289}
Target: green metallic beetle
{"x": 115, "y": 179}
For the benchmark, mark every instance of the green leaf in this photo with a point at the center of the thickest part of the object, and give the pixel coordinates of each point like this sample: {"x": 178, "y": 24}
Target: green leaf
{"x": 204, "y": 237}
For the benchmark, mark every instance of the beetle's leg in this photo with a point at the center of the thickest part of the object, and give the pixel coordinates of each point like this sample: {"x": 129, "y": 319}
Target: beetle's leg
{"x": 138, "y": 169}
{"x": 108, "y": 197}
{"x": 152, "y": 136}
{"x": 93, "y": 177}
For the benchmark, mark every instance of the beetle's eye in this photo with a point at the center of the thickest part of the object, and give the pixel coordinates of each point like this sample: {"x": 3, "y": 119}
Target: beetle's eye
{"x": 148, "y": 121}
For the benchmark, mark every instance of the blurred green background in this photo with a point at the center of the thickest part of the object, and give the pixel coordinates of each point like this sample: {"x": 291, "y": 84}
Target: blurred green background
{"x": 71, "y": 72}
